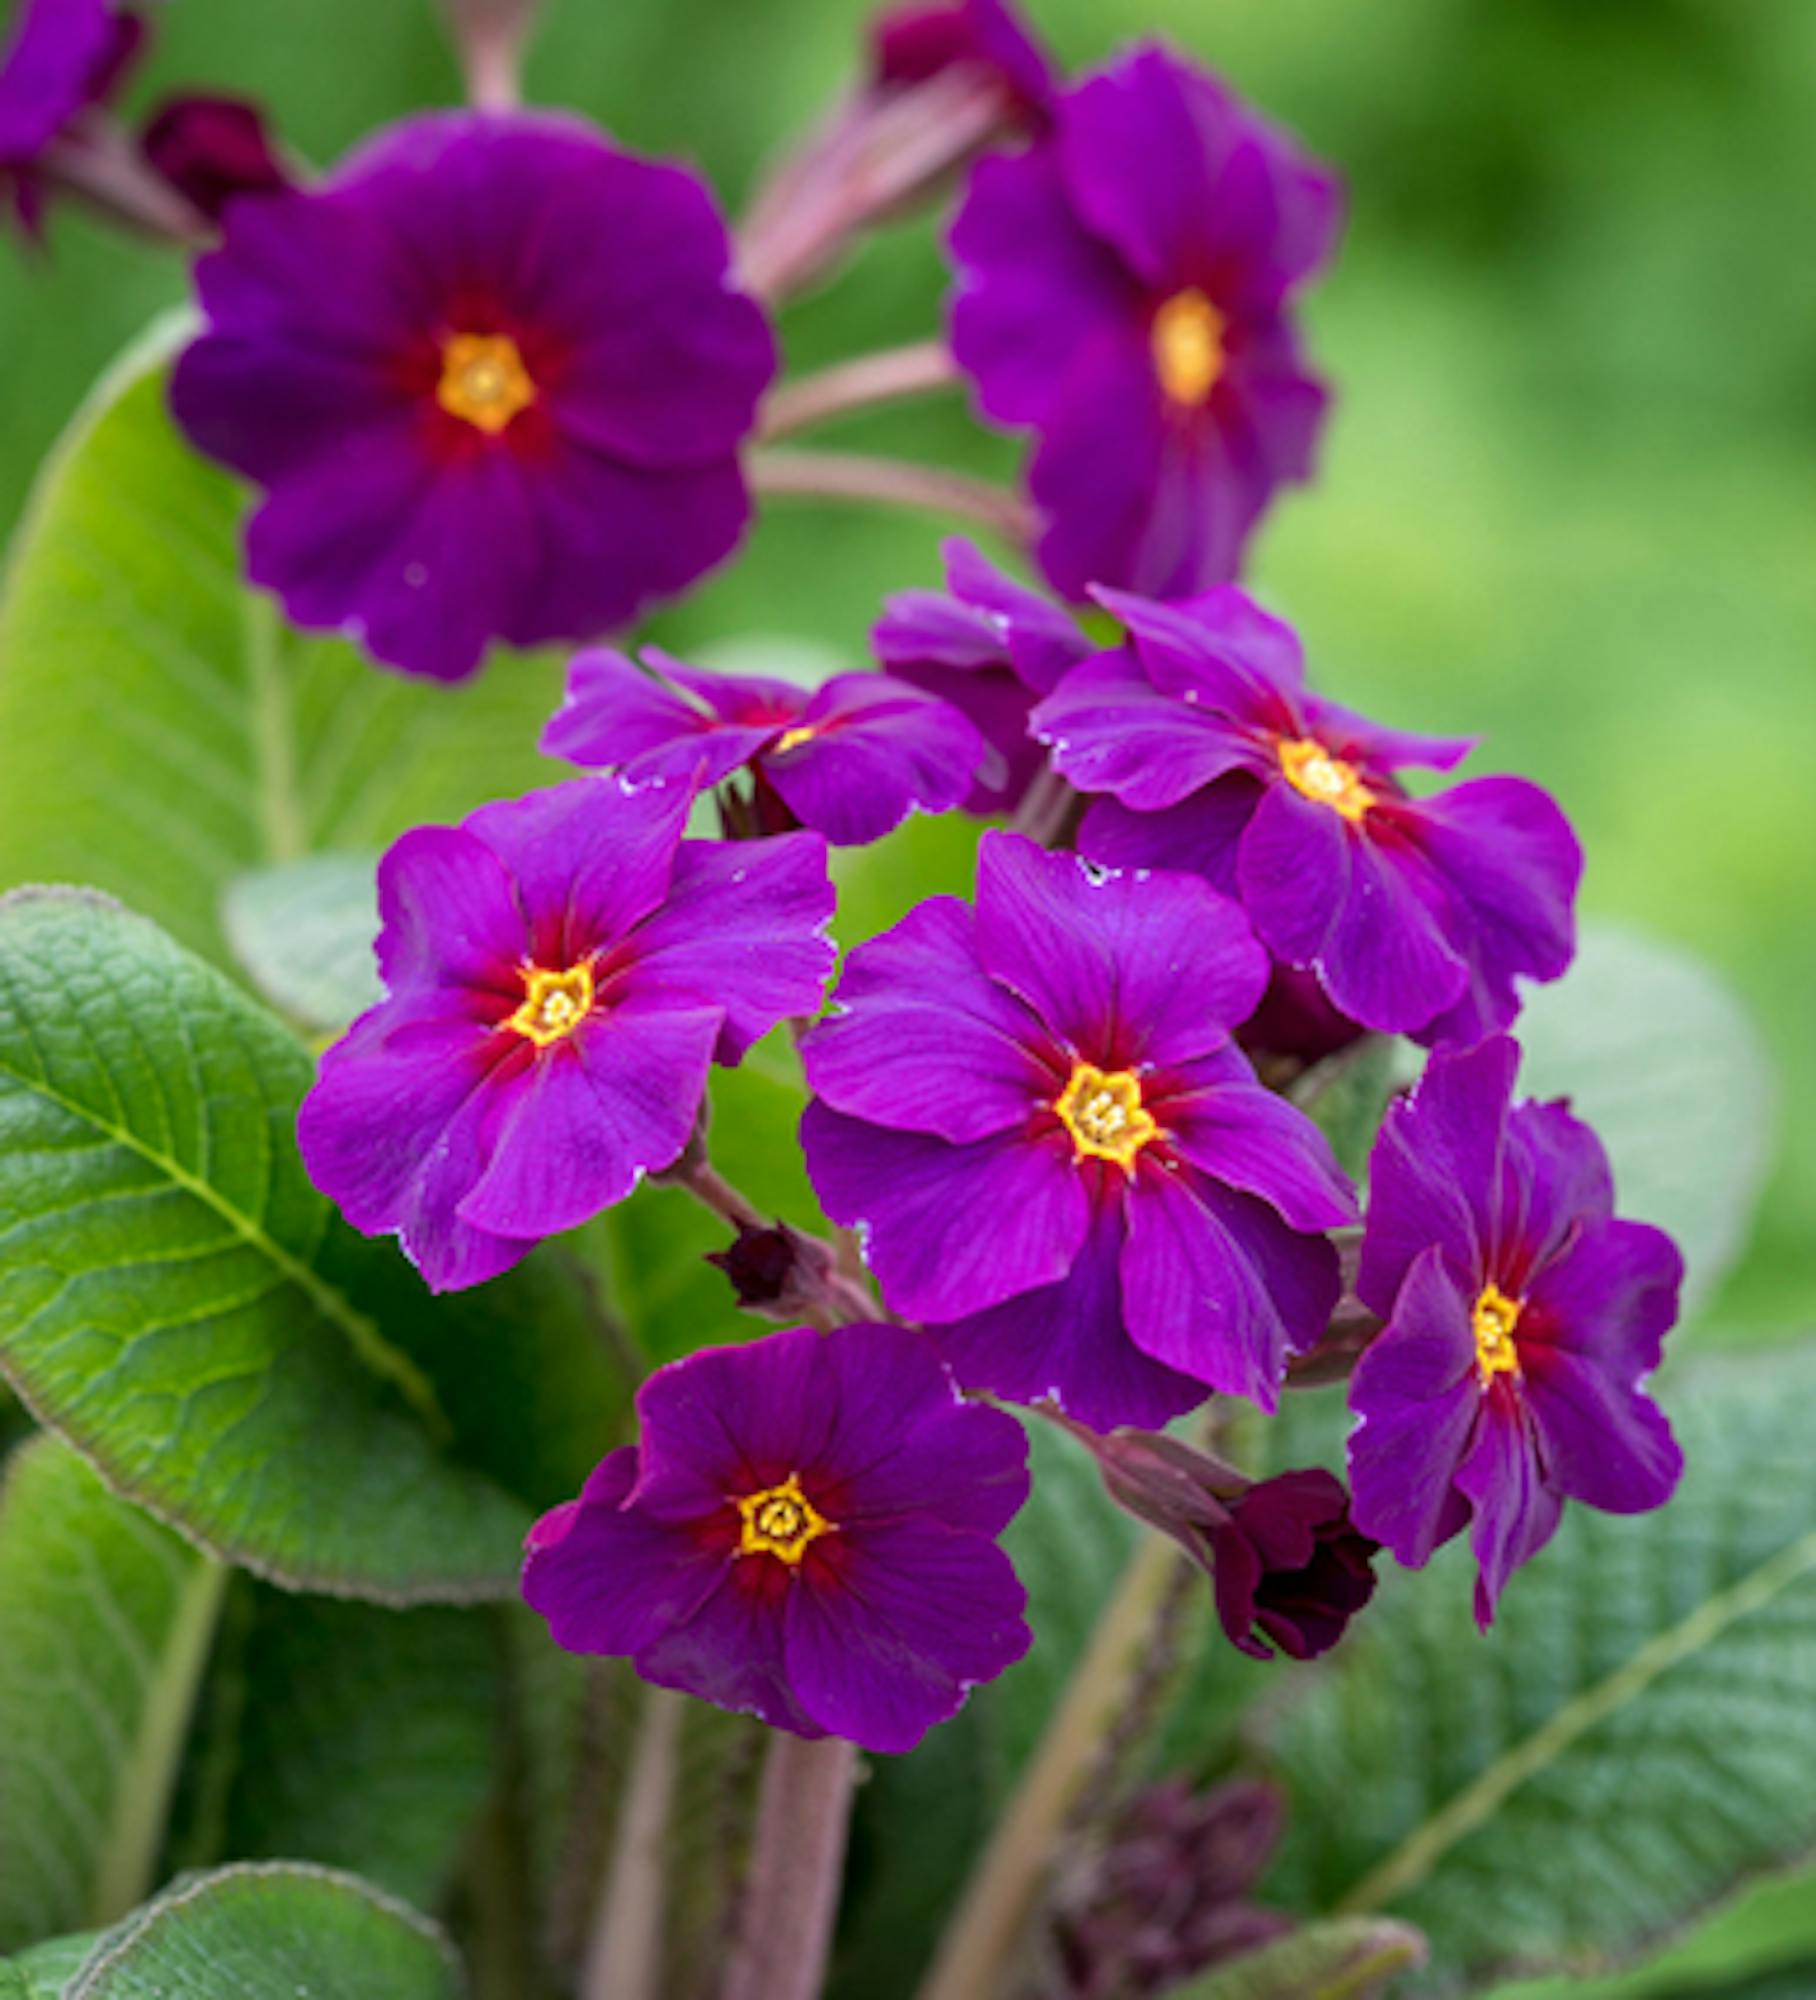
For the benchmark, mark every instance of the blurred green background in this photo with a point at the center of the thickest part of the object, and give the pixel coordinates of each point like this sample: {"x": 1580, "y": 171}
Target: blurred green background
{"x": 1569, "y": 496}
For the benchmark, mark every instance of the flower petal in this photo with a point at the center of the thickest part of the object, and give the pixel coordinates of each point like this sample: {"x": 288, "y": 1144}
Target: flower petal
{"x": 448, "y": 915}
{"x": 730, "y": 1652}
{"x": 1199, "y": 836}
{"x": 1219, "y": 1118}
{"x": 1516, "y": 1513}
{"x": 617, "y": 717}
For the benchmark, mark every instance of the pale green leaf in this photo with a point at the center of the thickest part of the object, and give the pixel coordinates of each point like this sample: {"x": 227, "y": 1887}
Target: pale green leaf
{"x": 161, "y": 733}
{"x": 1631, "y": 1742}
{"x": 107, "y": 1620}
{"x": 272, "y": 1931}
{"x": 1658, "y": 1055}
{"x": 1348, "y": 1958}
{"x": 304, "y": 932}
{"x": 177, "y": 1300}
{"x": 46, "y": 1969}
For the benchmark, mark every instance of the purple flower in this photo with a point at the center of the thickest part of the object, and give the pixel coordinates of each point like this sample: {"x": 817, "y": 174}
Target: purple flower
{"x": 1416, "y": 914}
{"x": 1521, "y": 1319}
{"x": 806, "y": 1531}
{"x": 1123, "y": 292}
{"x": 492, "y": 379}
{"x": 561, "y": 970}
{"x": 915, "y": 43}
{"x": 1057, "y": 1155}
{"x": 64, "y": 57}
{"x": 213, "y": 149}
{"x": 991, "y": 647}
{"x": 850, "y": 759}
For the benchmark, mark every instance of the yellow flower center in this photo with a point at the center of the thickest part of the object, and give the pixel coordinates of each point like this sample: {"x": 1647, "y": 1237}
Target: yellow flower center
{"x": 1188, "y": 348}
{"x": 1104, "y": 1114}
{"x": 792, "y": 739}
{"x": 1494, "y": 1318}
{"x": 1324, "y": 779}
{"x": 483, "y": 380}
{"x": 780, "y": 1521}
{"x": 554, "y": 1003}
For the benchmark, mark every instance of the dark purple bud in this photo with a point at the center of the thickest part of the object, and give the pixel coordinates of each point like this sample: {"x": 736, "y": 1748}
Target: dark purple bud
{"x": 776, "y": 1271}
{"x": 1290, "y": 1567}
{"x": 1296, "y": 1023}
{"x": 212, "y": 149}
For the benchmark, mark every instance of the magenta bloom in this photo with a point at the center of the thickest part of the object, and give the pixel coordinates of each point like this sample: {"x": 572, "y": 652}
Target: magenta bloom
{"x": 806, "y": 1531}
{"x": 1521, "y": 1319}
{"x": 561, "y": 970}
{"x": 1416, "y": 914}
{"x": 850, "y": 759}
{"x": 1058, "y": 1158}
{"x": 991, "y": 647}
{"x": 1123, "y": 292}
{"x": 493, "y": 380}
{"x": 63, "y": 57}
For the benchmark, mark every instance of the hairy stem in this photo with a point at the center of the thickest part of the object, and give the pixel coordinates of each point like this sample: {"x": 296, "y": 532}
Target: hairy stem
{"x": 863, "y": 384}
{"x": 977, "y": 1952}
{"x": 890, "y": 482}
{"x": 489, "y": 37}
{"x": 97, "y": 161}
{"x": 791, "y": 1895}
{"x": 624, "y": 1953}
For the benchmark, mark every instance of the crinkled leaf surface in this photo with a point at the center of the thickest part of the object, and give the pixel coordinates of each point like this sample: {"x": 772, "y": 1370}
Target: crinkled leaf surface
{"x": 107, "y": 1620}
{"x": 161, "y": 733}
{"x": 271, "y": 1931}
{"x": 1633, "y": 1739}
{"x": 163, "y": 1297}
{"x": 1348, "y": 1958}
{"x": 303, "y": 931}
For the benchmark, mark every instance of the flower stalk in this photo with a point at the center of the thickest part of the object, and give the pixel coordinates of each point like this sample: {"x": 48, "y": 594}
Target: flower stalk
{"x": 871, "y": 380}
{"x": 890, "y": 482}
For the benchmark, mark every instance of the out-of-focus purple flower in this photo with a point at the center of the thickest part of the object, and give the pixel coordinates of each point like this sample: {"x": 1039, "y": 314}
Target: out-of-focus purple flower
{"x": 1416, "y": 914}
{"x": 943, "y": 82}
{"x": 1166, "y": 1895}
{"x": 913, "y": 43}
{"x": 493, "y": 380}
{"x": 1286, "y": 1563}
{"x": 1058, "y": 1158}
{"x": 63, "y": 57}
{"x": 851, "y": 759}
{"x": 991, "y": 647}
{"x": 1296, "y": 1023}
{"x": 561, "y": 970}
{"x": 212, "y": 149}
{"x": 1521, "y": 1319}
{"x": 805, "y": 1531}
{"x": 1124, "y": 290}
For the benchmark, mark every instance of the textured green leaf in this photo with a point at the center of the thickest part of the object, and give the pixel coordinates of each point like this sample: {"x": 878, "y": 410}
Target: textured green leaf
{"x": 345, "y": 1734}
{"x": 175, "y": 1297}
{"x": 272, "y": 1931}
{"x": 107, "y": 1621}
{"x": 1632, "y": 1741}
{"x": 1348, "y": 1958}
{"x": 161, "y": 734}
{"x": 1669, "y": 1068}
{"x": 43, "y": 1972}
{"x": 304, "y": 933}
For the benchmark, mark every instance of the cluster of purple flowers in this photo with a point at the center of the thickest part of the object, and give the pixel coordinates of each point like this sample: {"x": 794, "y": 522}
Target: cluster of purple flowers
{"x": 521, "y": 411}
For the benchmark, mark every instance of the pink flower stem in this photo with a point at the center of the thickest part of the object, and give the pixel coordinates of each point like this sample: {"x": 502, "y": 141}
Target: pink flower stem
{"x": 96, "y": 161}
{"x": 791, "y": 1895}
{"x": 833, "y": 475}
{"x": 863, "y": 384}
{"x": 489, "y": 37}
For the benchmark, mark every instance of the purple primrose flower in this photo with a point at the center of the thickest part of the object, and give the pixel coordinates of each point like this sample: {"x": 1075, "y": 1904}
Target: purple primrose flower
{"x": 806, "y": 1531}
{"x": 1416, "y": 914}
{"x": 850, "y": 759}
{"x": 493, "y": 380}
{"x": 991, "y": 647}
{"x": 1058, "y": 1157}
{"x": 1521, "y": 1319}
{"x": 1123, "y": 292}
{"x": 914, "y": 43}
{"x": 63, "y": 57}
{"x": 561, "y": 970}
{"x": 1289, "y": 1567}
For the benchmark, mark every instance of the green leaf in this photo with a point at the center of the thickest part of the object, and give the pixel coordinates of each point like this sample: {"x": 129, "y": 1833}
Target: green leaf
{"x": 345, "y": 1734}
{"x": 1658, "y": 1055}
{"x": 1632, "y": 1740}
{"x": 108, "y": 1620}
{"x": 272, "y": 1931}
{"x": 1349, "y": 1958}
{"x": 176, "y": 1299}
{"x": 304, "y": 933}
{"x": 43, "y": 1972}
{"x": 161, "y": 734}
